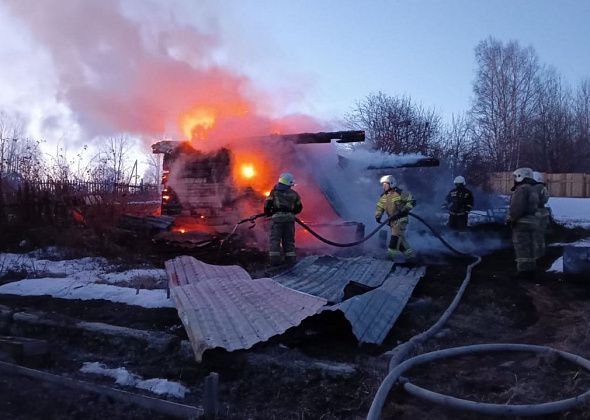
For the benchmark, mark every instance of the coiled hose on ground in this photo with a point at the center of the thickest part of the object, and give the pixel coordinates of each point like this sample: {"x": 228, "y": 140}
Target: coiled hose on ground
{"x": 397, "y": 365}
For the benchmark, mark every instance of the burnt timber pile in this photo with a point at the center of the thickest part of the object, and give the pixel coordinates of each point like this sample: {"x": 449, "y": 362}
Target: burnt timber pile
{"x": 198, "y": 189}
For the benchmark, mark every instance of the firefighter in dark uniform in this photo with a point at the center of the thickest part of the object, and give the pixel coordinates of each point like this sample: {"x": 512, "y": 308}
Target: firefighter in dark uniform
{"x": 458, "y": 203}
{"x": 282, "y": 204}
{"x": 523, "y": 219}
{"x": 395, "y": 202}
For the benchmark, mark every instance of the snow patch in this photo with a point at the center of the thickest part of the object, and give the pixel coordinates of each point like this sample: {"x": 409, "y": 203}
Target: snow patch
{"x": 557, "y": 266}
{"x": 33, "y": 267}
{"x": 123, "y": 377}
{"x": 130, "y": 276}
{"x": 571, "y": 212}
{"x": 73, "y": 288}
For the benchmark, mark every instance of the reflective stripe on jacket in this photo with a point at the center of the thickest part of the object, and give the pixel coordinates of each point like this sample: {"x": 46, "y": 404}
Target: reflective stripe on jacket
{"x": 393, "y": 202}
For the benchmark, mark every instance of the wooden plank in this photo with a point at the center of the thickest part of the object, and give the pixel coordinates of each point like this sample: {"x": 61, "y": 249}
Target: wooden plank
{"x": 165, "y": 407}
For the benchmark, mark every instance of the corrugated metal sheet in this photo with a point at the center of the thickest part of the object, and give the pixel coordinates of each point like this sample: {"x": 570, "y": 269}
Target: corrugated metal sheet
{"x": 373, "y": 314}
{"x": 230, "y": 310}
{"x": 328, "y": 276}
{"x": 185, "y": 270}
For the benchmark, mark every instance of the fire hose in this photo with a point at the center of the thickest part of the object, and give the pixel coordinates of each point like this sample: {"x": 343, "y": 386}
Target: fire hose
{"x": 252, "y": 220}
{"x": 397, "y": 365}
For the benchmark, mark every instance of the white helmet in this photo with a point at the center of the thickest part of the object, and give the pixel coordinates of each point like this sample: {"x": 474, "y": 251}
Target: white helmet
{"x": 459, "y": 180}
{"x": 287, "y": 179}
{"x": 521, "y": 173}
{"x": 538, "y": 176}
{"x": 390, "y": 179}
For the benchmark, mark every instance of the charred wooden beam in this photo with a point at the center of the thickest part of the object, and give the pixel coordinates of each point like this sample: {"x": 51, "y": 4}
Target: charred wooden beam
{"x": 299, "y": 138}
{"x": 309, "y": 138}
{"x": 426, "y": 162}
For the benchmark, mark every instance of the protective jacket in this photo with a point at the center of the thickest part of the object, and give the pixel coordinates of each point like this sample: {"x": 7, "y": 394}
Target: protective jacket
{"x": 283, "y": 203}
{"x": 394, "y": 202}
{"x": 459, "y": 201}
{"x": 524, "y": 202}
{"x": 543, "y": 192}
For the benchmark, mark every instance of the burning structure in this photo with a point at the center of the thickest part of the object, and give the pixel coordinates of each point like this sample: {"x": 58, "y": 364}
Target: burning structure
{"x": 209, "y": 191}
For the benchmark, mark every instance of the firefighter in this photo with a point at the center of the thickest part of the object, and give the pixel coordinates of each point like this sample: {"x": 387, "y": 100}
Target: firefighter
{"x": 524, "y": 204}
{"x": 542, "y": 214}
{"x": 458, "y": 203}
{"x": 395, "y": 202}
{"x": 282, "y": 204}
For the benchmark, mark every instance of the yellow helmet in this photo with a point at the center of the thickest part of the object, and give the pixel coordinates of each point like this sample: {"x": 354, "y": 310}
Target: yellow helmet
{"x": 287, "y": 179}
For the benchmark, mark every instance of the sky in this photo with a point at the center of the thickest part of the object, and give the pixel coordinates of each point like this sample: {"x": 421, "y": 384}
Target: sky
{"x": 76, "y": 71}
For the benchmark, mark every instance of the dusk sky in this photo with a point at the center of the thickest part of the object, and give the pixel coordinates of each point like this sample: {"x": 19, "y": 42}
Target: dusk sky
{"x": 68, "y": 66}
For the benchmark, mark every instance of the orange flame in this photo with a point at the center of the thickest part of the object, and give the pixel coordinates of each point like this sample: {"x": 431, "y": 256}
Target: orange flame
{"x": 196, "y": 122}
{"x": 252, "y": 169}
{"x": 247, "y": 171}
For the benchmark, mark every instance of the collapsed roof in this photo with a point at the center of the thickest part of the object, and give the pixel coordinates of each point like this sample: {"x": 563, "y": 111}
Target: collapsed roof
{"x": 223, "y": 307}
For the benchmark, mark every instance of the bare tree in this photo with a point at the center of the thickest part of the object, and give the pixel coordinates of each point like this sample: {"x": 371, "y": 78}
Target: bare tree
{"x": 153, "y": 173}
{"x": 58, "y": 167}
{"x": 395, "y": 124}
{"x": 112, "y": 160}
{"x": 505, "y": 96}
{"x": 551, "y": 147}
{"x": 457, "y": 144}
{"x": 11, "y": 131}
{"x": 581, "y": 111}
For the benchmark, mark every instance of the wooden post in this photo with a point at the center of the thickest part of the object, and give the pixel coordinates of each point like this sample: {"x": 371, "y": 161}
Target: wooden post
{"x": 211, "y": 397}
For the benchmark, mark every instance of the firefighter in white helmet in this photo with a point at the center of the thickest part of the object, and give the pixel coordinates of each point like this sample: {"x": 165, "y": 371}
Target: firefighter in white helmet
{"x": 282, "y": 204}
{"x": 524, "y": 203}
{"x": 543, "y": 214}
{"x": 458, "y": 203}
{"x": 395, "y": 202}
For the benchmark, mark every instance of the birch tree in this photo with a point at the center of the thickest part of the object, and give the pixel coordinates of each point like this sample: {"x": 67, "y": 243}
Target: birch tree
{"x": 504, "y": 100}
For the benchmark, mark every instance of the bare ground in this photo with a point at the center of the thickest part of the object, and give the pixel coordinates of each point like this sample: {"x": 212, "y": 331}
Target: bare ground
{"x": 317, "y": 370}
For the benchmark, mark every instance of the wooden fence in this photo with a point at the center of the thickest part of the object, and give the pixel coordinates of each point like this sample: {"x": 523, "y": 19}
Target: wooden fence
{"x": 77, "y": 189}
{"x": 61, "y": 202}
{"x": 559, "y": 185}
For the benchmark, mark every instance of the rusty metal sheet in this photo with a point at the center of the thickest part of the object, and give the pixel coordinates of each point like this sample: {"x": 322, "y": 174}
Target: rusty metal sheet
{"x": 186, "y": 270}
{"x": 327, "y": 276}
{"x": 230, "y": 310}
{"x": 373, "y": 314}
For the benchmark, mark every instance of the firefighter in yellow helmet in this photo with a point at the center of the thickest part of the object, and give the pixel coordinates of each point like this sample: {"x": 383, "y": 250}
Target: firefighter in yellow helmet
{"x": 282, "y": 204}
{"x": 395, "y": 202}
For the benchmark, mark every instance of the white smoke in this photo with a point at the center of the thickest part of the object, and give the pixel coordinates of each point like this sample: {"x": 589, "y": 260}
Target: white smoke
{"x": 354, "y": 190}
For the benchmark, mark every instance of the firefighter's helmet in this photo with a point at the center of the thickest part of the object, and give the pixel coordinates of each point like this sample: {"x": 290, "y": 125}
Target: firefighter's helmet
{"x": 390, "y": 179}
{"x": 287, "y": 179}
{"x": 538, "y": 176}
{"x": 521, "y": 173}
{"x": 459, "y": 180}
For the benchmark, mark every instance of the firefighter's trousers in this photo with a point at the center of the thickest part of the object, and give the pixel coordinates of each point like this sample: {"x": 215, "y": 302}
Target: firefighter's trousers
{"x": 458, "y": 221}
{"x": 541, "y": 232}
{"x": 282, "y": 236}
{"x": 398, "y": 244}
{"x": 525, "y": 247}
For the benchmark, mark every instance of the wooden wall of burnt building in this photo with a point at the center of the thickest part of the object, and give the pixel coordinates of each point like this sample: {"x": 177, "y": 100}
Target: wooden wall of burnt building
{"x": 199, "y": 184}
